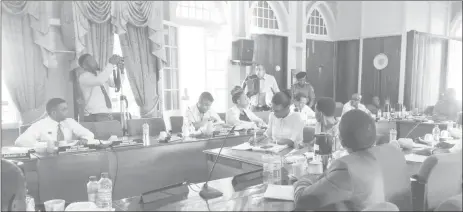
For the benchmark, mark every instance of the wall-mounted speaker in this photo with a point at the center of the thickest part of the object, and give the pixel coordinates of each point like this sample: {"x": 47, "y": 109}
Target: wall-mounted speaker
{"x": 243, "y": 50}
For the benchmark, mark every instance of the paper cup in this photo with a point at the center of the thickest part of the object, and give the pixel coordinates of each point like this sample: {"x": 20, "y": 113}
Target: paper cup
{"x": 54, "y": 205}
{"x": 315, "y": 167}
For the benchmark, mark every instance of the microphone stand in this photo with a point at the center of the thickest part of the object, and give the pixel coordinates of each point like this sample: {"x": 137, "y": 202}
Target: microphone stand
{"x": 207, "y": 192}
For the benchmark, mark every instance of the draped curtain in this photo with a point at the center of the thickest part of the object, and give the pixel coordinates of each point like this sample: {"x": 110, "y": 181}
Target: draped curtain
{"x": 24, "y": 58}
{"x": 455, "y": 67}
{"x": 139, "y": 25}
{"x": 426, "y": 69}
{"x": 94, "y": 32}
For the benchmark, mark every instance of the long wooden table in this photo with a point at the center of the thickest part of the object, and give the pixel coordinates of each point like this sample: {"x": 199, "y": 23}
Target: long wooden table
{"x": 133, "y": 169}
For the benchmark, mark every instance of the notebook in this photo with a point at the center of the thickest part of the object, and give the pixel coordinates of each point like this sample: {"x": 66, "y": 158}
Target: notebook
{"x": 243, "y": 146}
{"x": 415, "y": 158}
{"x": 280, "y": 192}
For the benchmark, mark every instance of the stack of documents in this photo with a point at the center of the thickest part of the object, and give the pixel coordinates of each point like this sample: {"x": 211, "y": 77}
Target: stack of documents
{"x": 415, "y": 158}
{"x": 280, "y": 192}
{"x": 274, "y": 148}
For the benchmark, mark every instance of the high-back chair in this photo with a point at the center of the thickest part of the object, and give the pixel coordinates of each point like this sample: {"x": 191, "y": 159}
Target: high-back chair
{"x": 135, "y": 126}
{"x": 176, "y": 123}
{"x": 439, "y": 178}
{"x": 222, "y": 116}
{"x": 104, "y": 129}
{"x": 383, "y": 206}
{"x": 23, "y": 128}
{"x": 452, "y": 204}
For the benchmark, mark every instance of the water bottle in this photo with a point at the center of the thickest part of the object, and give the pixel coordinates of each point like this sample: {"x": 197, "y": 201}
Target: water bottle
{"x": 146, "y": 134}
{"x": 436, "y": 134}
{"x": 392, "y": 135}
{"x": 185, "y": 131}
{"x": 105, "y": 189}
{"x": 272, "y": 169}
{"x": 379, "y": 114}
{"x": 316, "y": 155}
{"x": 30, "y": 202}
{"x": 92, "y": 189}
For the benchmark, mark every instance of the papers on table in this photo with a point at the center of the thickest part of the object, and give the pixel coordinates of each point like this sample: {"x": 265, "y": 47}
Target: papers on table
{"x": 280, "y": 192}
{"x": 415, "y": 158}
{"x": 274, "y": 148}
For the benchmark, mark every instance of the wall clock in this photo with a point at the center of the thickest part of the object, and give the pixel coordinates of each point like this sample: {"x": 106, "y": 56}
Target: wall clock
{"x": 380, "y": 61}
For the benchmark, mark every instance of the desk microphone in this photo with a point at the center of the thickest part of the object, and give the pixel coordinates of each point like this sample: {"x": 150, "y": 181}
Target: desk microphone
{"x": 207, "y": 192}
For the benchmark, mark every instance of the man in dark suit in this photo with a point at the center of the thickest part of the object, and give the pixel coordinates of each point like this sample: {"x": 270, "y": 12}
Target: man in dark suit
{"x": 368, "y": 175}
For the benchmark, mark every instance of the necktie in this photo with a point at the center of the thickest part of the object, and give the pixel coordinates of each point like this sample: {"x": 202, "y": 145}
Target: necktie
{"x": 59, "y": 134}
{"x": 106, "y": 97}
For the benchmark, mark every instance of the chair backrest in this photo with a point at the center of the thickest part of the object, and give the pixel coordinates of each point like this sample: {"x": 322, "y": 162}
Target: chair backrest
{"x": 222, "y": 116}
{"x": 135, "y": 126}
{"x": 452, "y": 204}
{"x": 104, "y": 129}
{"x": 263, "y": 115}
{"x": 442, "y": 177}
{"x": 338, "y": 110}
{"x": 176, "y": 123}
{"x": 383, "y": 206}
{"x": 23, "y": 128}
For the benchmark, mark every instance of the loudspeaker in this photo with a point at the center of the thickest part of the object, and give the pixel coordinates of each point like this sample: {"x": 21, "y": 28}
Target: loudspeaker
{"x": 243, "y": 50}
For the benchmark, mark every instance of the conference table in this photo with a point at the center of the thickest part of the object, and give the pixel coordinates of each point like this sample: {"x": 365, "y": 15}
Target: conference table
{"x": 133, "y": 169}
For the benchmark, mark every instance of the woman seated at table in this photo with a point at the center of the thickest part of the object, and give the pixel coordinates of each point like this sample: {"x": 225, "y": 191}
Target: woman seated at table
{"x": 326, "y": 122}
{"x": 284, "y": 126}
{"x": 240, "y": 115}
{"x": 300, "y": 106}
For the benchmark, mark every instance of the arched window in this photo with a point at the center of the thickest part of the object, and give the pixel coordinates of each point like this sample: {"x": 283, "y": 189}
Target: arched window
{"x": 316, "y": 24}
{"x": 263, "y": 16}
{"x": 199, "y": 10}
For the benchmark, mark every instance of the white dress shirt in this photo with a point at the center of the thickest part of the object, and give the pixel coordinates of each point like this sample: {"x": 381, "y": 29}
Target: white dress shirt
{"x": 348, "y": 107}
{"x": 233, "y": 117}
{"x": 193, "y": 115}
{"x": 47, "y": 129}
{"x": 268, "y": 86}
{"x": 307, "y": 114}
{"x": 91, "y": 91}
{"x": 291, "y": 127}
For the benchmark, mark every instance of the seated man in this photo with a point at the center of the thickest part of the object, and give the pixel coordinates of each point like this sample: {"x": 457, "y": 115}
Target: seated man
{"x": 239, "y": 114}
{"x": 199, "y": 115}
{"x": 354, "y": 103}
{"x": 284, "y": 126}
{"x": 375, "y": 105}
{"x": 448, "y": 107}
{"x": 326, "y": 122}
{"x": 300, "y": 106}
{"x": 13, "y": 187}
{"x": 56, "y": 126}
{"x": 368, "y": 175}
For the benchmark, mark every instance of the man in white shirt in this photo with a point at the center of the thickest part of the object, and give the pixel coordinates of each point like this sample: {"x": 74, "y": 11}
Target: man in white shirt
{"x": 354, "y": 103}
{"x": 56, "y": 126}
{"x": 300, "y": 106}
{"x": 94, "y": 88}
{"x": 239, "y": 114}
{"x": 199, "y": 115}
{"x": 284, "y": 126}
{"x": 268, "y": 86}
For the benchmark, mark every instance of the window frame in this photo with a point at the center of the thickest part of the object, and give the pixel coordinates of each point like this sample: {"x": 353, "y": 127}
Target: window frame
{"x": 10, "y": 107}
{"x": 309, "y": 35}
{"x": 254, "y": 26}
{"x": 170, "y": 68}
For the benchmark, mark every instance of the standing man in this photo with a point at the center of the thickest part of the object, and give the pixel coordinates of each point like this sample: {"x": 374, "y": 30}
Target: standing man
{"x": 262, "y": 101}
{"x": 302, "y": 86}
{"x": 94, "y": 85}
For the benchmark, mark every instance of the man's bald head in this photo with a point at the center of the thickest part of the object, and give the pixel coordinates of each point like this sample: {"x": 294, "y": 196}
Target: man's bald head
{"x": 355, "y": 100}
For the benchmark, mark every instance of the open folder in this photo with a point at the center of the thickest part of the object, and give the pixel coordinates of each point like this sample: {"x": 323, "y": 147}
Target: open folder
{"x": 279, "y": 192}
{"x": 274, "y": 148}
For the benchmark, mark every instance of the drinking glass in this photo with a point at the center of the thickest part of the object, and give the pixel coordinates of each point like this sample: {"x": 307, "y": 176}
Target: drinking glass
{"x": 54, "y": 205}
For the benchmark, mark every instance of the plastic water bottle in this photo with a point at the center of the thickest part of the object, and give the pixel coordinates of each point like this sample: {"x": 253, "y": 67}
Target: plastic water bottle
{"x": 30, "y": 202}
{"x": 146, "y": 134}
{"x": 272, "y": 169}
{"x": 392, "y": 135}
{"x": 185, "y": 131}
{"x": 92, "y": 189}
{"x": 379, "y": 114}
{"x": 105, "y": 189}
{"x": 436, "y": 134}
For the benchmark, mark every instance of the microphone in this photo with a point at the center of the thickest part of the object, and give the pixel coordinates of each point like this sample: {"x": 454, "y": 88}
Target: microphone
{"x": 207, "y": 192}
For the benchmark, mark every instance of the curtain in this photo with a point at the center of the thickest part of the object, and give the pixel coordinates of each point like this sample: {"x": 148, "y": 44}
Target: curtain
{"x": 455, "y": 67}
{"x": 347, "y": 65}
{"x": 426, "y": 69}
{"x": 93, "y": 35}
{"x": 382, "y": 83}
{"x": 139, "y": 25}
{"x": 22, "y": 58}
